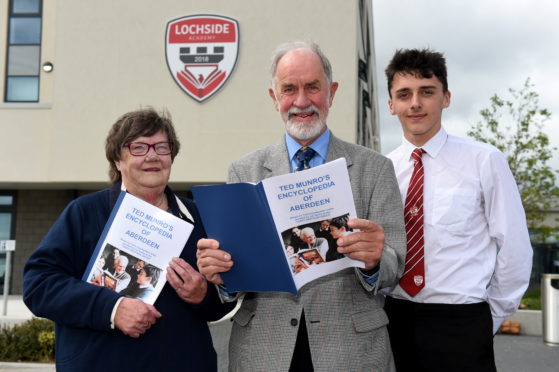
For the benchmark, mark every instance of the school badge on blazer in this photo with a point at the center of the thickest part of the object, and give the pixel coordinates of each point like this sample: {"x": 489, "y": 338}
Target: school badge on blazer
{"x": 201, "y": 52}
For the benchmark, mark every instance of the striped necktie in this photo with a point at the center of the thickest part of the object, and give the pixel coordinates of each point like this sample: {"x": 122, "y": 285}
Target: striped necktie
{"x": 302, "y": 157}
{"x": 413, "y": 279}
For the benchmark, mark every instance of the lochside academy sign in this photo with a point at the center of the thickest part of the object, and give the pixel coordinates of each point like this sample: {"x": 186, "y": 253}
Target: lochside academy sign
{"x": 201, "y": 52}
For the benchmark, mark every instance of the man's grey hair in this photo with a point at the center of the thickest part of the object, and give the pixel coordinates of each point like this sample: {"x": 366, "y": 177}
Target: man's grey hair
{"x": 123, "y": 260}
{"x": 307, "y": 231}
{"x": 283, "y": 49}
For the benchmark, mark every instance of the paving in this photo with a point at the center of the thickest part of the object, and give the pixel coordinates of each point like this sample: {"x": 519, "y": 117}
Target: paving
{"x": 27, "y": 367}
{"x": 522, "y": 353}
{"x": 525, "y": 354}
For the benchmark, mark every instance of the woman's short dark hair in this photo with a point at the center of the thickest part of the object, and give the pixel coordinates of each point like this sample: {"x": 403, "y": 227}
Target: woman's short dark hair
{"x": 134, "y": 124}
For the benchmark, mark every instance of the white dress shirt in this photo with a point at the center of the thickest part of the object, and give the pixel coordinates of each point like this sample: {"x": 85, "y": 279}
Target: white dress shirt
{"x": 477, "y": 246}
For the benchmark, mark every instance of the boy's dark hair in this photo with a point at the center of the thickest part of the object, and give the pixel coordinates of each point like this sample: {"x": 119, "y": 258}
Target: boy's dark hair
{"x": 422, "y": 63}
{"x": 152, "y": 272}
{"x": 340, "y": 222}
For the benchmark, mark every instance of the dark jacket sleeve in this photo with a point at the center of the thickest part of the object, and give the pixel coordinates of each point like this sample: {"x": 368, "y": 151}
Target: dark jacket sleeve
{"x": 52, "y": 285}
{"x": 211, "y": 308}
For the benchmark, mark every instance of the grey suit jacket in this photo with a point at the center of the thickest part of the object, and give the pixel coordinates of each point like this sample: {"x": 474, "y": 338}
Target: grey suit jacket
{"x": 344, "y": 317}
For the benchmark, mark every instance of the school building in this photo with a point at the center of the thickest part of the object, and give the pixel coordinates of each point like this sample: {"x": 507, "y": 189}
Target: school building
{"x": 71, "y": 68}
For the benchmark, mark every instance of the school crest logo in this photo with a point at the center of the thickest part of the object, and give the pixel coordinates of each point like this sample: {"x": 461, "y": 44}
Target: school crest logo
{"x": 201, "y": 52}
{"x": 418, "y": 280}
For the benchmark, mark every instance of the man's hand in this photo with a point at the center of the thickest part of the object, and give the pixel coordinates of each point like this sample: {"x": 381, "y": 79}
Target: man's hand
{"x": 134, "y": 317}
{"x": 212, "y": 261}
{"x": 189, "y": 284}
{"x": 365, "y": 245}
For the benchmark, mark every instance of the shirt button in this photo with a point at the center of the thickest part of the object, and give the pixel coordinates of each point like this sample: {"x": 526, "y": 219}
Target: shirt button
{"x": 294, "y": 322}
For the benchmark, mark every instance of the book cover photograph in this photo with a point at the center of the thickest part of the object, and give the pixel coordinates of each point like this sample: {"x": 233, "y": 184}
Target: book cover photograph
{"x": 281, "y": 232}
{"x": 134, "y": 250}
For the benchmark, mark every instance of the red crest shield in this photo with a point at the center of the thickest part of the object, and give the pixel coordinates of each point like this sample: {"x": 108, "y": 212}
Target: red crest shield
{"x": 418, "y": 280}
{"x": 201, "y": 52}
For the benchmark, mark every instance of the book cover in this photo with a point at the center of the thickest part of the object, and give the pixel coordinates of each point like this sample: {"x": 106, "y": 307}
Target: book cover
{"x": 109, "y": 281}
{"x": 134, "y": 250}
{"x": 271, "y": 229}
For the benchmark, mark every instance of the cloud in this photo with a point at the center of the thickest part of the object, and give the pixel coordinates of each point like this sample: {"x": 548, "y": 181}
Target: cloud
{"x": 490, "y": 46}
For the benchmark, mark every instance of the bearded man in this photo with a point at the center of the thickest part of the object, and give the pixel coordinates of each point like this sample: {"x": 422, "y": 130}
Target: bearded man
{"x": 335, "y": 322}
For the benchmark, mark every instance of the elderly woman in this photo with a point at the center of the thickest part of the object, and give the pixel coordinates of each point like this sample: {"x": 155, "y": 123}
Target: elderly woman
{"x": 98, "y": 329}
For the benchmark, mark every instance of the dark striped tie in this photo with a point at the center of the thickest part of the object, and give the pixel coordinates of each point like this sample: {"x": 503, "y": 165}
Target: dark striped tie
{"x": 413, "y": 279}
{"x": 302, "y": 157}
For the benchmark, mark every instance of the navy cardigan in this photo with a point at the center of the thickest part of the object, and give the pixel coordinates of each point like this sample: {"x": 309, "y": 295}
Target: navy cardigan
{"x": 53, "y": 289}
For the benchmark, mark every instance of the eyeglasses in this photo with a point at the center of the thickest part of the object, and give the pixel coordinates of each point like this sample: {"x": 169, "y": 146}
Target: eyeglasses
{"x": 141, "y": 148}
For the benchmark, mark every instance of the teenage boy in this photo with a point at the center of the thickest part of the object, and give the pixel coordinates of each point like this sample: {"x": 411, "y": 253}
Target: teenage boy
{"x": 469, "y": 256}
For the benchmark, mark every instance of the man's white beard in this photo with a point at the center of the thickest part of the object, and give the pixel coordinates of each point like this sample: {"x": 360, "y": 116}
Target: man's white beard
{"x": 304, "y": 130}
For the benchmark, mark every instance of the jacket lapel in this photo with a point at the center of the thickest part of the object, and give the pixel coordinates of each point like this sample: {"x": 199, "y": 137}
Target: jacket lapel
{"x": 277, "y": 160}
{"x": 337, "y": 149}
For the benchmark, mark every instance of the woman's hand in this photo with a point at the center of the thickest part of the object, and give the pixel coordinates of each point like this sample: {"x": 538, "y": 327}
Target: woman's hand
{"x": 134, "y": 317}
{"x": 189, "y": 284}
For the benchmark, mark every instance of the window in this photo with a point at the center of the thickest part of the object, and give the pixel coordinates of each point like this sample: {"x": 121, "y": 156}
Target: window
{"x": 7, "y": 225}
{"x": 24, "y": 51}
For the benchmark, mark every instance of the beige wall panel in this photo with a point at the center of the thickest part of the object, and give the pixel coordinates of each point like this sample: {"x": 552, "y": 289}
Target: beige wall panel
{"x": 109, "y": 58}
{"x": 48, "y": 50}
{"x": 3, "y": 42}
{"x": 26, "y": 145}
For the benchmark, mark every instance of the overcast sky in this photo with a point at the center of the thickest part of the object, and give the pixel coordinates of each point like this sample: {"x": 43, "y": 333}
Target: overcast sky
{"x": 489, "y": 45}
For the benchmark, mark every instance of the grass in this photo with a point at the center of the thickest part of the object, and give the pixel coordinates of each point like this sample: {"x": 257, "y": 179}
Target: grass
{"x": 532, "y": 300}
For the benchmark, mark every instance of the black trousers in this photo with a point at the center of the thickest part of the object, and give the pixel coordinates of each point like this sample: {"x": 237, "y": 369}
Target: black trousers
{"x": 440, "y": 337}
{"x": 301, "y": 360}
